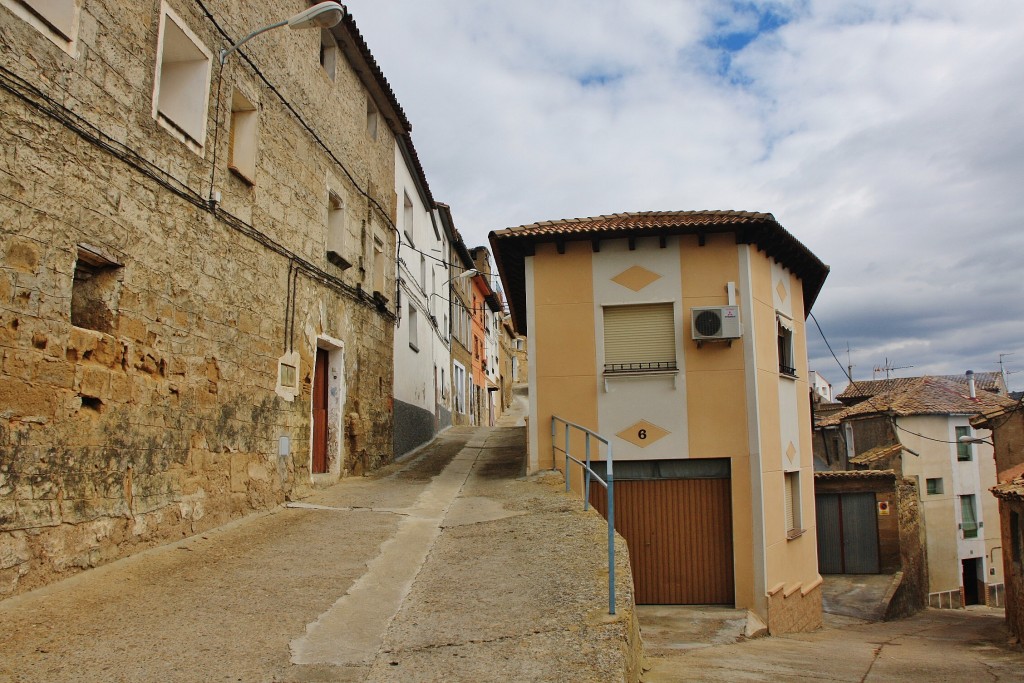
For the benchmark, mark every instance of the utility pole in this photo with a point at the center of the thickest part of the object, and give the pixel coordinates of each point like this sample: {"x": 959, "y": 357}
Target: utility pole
{"x": 849, "y": 363}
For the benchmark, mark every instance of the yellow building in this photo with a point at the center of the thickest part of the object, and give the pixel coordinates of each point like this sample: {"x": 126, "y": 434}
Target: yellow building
{"x": 680, "y": 336}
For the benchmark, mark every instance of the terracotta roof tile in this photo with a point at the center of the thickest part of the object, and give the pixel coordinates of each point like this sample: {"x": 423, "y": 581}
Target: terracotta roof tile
{"x": 855, "y": 474}
{"x": 1011, "y": 490}
{"x": 984, "y": 381}
{"x": 512, "y": 245}
{"x": 922, "y": 396}
{"x": 877, "y": 455}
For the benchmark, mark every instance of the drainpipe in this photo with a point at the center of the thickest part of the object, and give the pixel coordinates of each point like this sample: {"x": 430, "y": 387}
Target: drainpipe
{"x": 970, "y": 384}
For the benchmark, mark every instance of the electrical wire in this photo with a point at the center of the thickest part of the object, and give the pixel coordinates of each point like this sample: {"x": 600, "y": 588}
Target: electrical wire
{"x": 886, "y": 411}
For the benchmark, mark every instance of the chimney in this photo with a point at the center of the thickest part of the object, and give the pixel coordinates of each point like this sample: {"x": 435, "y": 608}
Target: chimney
{"x": 970, "y": 384}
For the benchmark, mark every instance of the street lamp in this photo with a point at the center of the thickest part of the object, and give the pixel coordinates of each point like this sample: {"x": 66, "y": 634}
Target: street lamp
{"x": 322, "y": 15}
{"x": 973, "y": 439}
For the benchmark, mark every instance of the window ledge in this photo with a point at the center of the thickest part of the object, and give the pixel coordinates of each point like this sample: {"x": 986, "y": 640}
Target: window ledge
{"x": 789, "y": 375}
{"x": 241, "y": 175}
{"x": 414, "y": 347}
{"x": 793, "y": 534}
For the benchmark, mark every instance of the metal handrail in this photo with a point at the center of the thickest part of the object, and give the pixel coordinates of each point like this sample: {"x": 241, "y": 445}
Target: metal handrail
{"x": 608, "y": 483}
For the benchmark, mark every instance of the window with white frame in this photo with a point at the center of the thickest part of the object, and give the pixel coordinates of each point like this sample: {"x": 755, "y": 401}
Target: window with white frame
{"x": 969, "y": 517}
{"x": 964, "y": 451}
{"x": 792, "y": 494}
{"x": 244, "y": 125}
{"x": 639, "y": 338}
{"x": 787, "y": 364}
{"x": 459, "y": 382}
{"x": 56, "y": 19}
{"x": 328, "y": 53}
{"x": 337, "y": 252}
{"x": 414, "y": 333}
{"x": 182, "y": 85}
{"x": 423, "y": 272}
{"x": 407, "y": 219}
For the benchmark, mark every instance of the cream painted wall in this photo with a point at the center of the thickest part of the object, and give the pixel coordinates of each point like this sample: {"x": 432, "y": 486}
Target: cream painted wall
{"x": 946, "y": 547}
{"x": 658, "y": 399}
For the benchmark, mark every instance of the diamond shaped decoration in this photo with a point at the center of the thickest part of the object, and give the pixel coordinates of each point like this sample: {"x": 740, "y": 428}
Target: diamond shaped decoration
{"x": 643, "y": 434}
{"x": 781, "y": 291}
{"x": 791, "y": 451}
{"x": 636, "y": 278}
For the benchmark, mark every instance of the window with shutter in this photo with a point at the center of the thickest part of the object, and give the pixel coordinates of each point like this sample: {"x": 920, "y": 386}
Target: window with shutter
{"x": 792, "y": 494}
{"x": 639, "y": 338}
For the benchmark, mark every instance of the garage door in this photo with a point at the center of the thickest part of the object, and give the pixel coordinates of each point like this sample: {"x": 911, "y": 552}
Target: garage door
{"x": 678, "y": 528}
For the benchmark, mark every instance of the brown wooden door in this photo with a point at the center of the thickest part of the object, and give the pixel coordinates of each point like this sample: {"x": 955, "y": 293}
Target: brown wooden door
{"x": 320, "y": 413}
{"x": 679, "y": 533}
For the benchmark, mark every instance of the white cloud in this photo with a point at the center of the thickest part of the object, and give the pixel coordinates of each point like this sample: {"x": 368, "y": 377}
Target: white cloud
{"x": 884, "y": 134}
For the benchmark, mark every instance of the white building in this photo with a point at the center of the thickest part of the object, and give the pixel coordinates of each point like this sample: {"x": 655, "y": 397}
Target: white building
{"x": 422, "y": 387}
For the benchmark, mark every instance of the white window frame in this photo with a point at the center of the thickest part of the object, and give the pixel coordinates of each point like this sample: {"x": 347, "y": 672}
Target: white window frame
{"x": 191, "y": 132}
{"x": 58, "y": 20}
{"x": 244, "y": 136}
{"x": 379, "y": 276}
{"x": 337, "y": 230}
{"x": 792, "y": 500}
{"x": 786, "y": 350}
{"x": 414, "y": 328}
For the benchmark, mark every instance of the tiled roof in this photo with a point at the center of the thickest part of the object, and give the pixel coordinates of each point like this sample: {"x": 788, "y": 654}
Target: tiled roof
{"x": 877, "y": 455}
{"x": 922, "y": 396}
{"x": 983, "y": 381}
{"x": 635, "y": 223}
{"x": 855, "y": 474}
{"x": 512, "y": 245}
{"x": 358, "y": 53}
{"x": 1011, "y": 490}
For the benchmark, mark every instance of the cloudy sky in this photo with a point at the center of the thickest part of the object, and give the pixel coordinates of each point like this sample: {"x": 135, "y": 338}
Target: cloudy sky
{"x": 887, "y": 135}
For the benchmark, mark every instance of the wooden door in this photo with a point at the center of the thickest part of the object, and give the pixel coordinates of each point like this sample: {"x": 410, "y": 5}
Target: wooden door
{"x": 320, "y": 413}
{"x": 679, "y": 533}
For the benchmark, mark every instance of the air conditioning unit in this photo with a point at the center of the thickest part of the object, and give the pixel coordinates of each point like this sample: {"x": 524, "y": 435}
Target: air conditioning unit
{"x": 716, "y": 323}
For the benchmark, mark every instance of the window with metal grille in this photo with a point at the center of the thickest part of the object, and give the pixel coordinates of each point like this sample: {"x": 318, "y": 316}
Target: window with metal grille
{"x": 639, "y": 338}
{"x": 786, "y": 363}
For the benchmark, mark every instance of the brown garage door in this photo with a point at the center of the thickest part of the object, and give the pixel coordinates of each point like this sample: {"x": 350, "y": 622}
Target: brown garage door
{"x": 679, "y": 533}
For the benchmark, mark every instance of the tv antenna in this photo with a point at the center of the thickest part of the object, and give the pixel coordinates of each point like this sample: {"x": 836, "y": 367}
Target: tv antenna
{"x": 889, "y": 368}
{"x": 1003, "y": 370}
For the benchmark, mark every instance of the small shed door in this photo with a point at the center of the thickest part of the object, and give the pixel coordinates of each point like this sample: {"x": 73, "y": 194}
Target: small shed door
{"x": 847, "y": 533}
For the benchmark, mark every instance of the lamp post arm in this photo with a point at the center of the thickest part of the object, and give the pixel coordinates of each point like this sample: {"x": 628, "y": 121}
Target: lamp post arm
{"x": 227, "y": 51}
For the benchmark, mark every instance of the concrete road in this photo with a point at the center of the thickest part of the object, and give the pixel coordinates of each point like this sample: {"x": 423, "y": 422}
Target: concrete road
{"x": 934, "y": 645}
{"x": 449, "y": 567}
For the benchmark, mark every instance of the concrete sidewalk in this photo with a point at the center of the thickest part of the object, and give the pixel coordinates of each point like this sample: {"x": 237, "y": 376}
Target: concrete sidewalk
{"x": 450, "y": 567}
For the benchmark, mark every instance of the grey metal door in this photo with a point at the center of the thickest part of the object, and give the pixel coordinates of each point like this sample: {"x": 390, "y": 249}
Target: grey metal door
{"x": 830, "y": 538}
{"x": 847, "y": 533}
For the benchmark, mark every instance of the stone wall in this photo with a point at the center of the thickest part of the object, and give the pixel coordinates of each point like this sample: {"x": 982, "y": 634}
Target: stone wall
{"x": 794, "y": 610}
{"x": 1013, "y": 564}
{"x": 162, "y": 415}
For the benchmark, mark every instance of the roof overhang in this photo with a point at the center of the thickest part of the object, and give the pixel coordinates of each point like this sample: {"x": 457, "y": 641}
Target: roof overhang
{"x": 512, "y": 246}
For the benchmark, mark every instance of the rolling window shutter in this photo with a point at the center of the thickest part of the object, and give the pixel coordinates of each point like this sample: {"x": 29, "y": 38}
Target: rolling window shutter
{"x": 790, "y": 519}
{"x": 639, "y": 334}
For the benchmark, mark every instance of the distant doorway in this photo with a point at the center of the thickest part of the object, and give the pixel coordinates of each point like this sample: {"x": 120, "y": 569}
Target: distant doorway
{"x": 972, "y": 582}
{"x": 320, "y": 392}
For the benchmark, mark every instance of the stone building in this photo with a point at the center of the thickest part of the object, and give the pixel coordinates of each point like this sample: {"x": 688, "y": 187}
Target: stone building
{"x": 196, "y": 294}
{"x": 460, "y": 301}
{"x": 921, "y": 428}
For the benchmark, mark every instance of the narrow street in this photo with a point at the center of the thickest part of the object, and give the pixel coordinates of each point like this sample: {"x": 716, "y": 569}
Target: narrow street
{"x": 448, "y": 567}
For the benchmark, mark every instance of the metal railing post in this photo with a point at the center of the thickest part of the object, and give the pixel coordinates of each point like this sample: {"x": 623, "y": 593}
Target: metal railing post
{"x": 609, "y": 480}
{"x": 566, "y": 471}
{"x": 586, "y": 472}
